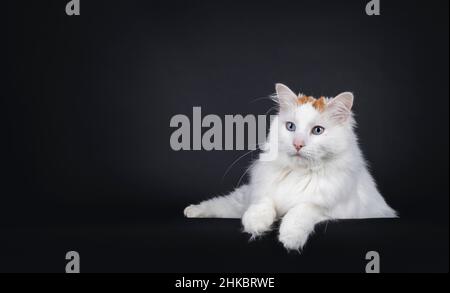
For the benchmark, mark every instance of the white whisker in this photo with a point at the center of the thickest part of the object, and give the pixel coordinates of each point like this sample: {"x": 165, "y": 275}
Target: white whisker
{"x": 235, "y": 161}
{"x": 260, "y": 99}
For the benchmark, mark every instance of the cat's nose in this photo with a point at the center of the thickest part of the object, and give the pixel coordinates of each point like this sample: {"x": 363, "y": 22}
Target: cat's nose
{"x": 298, "y": 145}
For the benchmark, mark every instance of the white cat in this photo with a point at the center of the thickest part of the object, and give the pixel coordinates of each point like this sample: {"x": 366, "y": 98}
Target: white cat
{"x": 318, "y": 174}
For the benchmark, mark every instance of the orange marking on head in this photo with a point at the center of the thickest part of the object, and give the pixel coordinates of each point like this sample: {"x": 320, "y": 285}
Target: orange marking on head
{"x": 319, "y": 104}
{"x": 305, "y": 99}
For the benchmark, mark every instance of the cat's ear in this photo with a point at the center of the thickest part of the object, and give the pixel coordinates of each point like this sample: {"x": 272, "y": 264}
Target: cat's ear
{"x": 340, "y": 107}
{"x": 285, "y": 97}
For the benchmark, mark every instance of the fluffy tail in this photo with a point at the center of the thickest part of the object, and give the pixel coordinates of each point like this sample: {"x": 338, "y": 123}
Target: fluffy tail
{"x": 231, "y": 206}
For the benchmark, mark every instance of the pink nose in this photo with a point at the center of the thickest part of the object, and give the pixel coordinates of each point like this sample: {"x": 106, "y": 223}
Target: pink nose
{"x": 298, "y": 145}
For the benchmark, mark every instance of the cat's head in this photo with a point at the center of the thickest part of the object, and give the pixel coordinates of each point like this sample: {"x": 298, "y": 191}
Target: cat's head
{"x": 311, "y": 130}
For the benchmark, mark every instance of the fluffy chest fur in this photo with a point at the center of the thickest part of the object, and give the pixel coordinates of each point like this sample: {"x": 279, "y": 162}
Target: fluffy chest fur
{"x": 289, "y": 186}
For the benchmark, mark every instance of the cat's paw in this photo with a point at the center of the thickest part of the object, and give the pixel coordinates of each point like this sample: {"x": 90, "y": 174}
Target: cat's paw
{"x": 193, "y": 211}
{"x": 293, "y": 239}
{"x": 258, "y": 220}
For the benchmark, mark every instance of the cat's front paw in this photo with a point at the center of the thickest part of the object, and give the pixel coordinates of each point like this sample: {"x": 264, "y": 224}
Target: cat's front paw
{"x": 293, "y": 239}
{"x": 257, "y": 220}
{"x": 193, "y": 211}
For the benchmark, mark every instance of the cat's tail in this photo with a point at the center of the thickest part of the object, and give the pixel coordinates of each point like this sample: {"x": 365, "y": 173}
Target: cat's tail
{"x": 232, "y": 205}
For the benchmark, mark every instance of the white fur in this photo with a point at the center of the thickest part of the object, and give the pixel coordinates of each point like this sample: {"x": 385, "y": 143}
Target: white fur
{"x": 327, "y": 179}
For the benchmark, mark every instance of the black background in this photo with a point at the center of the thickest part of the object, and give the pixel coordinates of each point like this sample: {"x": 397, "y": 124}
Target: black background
{"x": 86, "y": 160}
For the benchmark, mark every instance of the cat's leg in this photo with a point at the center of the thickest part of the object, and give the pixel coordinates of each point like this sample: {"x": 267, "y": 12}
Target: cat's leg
{"x": 298, "y": 224}
{"x": 232, "y": 205}
{"x": 259, "y": 217}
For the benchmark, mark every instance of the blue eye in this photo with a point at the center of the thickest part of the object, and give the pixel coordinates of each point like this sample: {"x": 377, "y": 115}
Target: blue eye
{"x": 290, "y": 126}
{"x": 317, "y": 130}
